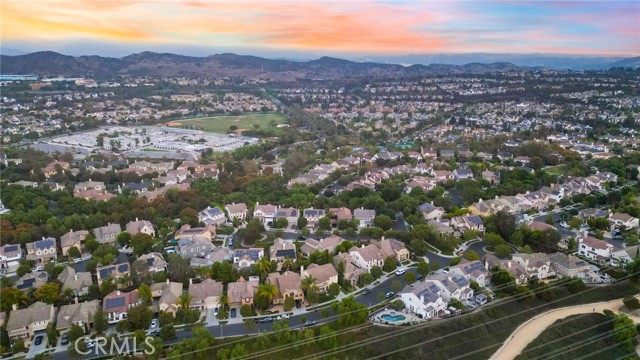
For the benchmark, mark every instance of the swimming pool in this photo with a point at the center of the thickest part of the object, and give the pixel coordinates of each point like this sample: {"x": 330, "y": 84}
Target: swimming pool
{"x": 393, "y": 318}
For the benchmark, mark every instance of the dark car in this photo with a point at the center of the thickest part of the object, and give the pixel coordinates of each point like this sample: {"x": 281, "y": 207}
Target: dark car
{"x": 389, "y": 295}
{"x": 267, "y": 319}
{"x": 64, "y": 340}
{"x": 234, "y": 313}
{"x": 302, "y": 238}
{"x": 419, "y": 277}
{"x": 39, "y": 339}
{"x": 298, "y": 304}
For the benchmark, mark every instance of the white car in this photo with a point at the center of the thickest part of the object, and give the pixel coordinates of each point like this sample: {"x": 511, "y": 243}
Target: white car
{"x": 154, "y": 323}
{"x": 39, "y": 268}
{"x": 78, "y": 260}
{"x": 400, "y": 272}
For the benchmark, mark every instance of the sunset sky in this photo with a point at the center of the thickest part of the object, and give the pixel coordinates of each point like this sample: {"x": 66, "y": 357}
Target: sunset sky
{"x": 327, "y": 27}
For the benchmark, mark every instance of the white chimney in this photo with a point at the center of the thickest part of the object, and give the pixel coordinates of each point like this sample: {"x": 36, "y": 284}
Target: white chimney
{"x": 190, "y": 281}
{"x": 14, "y": 307}
{"x": 75, "y": 276}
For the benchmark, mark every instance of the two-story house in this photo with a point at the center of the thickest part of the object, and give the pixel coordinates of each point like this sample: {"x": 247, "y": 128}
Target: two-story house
{"x": 366, "y": 257}
{"x": 472, "y": 271}
{"x": 451, "y": 286}
{"x": 324, "y": 275}
{"x": 624, "y": 221}
{"x": 327, "y": 244}
{"x": 266, "y": 214}
{"x": 242, "y": 291}
{"x": 212, "y": 216}
{"x": 282, "y": 250}
{"x": 431, "y": 212}
{"x": 195, "y": 247}
{"x": 595, "y": 249}
{"x": 538, "y": 265}
{"x": 364, "y": 216}
{"x": 237, "y": 211}
{"x": 141, "y": 227}
{"x": 313, "y": 216}
{"x": 205, "y": 295}
{"x": 23, "y": 323}
{"x": 168, "y": 295}
{"x": 42, "y": 251}
{"x": 72, "y": 239}
{"x": 393, "y": 248}
{"x": 152, "y": 262}
{"x": 244, "y": 258}
{"x": 289, "y": 214}
{"x": 10, "y": 256}
{"x": 107, "y": 234}
{"x": 288, "y": 285}
{"x": 468, "y": 222}
{"x": 423, "y": 299}
{"x": 78, "y": 282}
{"x": 339, "y": 214}
{"x": 115, "y": 272}
{"x": 186, "y": 231}
{"x": 116, "y": 304}
{"x": 81, "y": 314}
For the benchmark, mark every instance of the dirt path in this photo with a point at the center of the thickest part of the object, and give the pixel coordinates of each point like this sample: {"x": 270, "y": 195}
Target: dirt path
{"x": 531, "y": 329}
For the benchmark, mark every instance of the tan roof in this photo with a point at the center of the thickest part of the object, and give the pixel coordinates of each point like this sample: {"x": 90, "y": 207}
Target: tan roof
{"x": 207, "y": 288}
{"x": 597, "y": 243}
{"x": 73, "y": 280}
{"x": 236, "y": 208}
{"x": 73, "y": 237}
{"x": 20, "y": 318}
{"x": 390, "y": 246}
{"x": 537, "y": 225}
{"x": 321, "y": 273}
{"x": 236, "y": 291}
{"x": 74, "y": 313}
{"x": 285, "y": 282}
{"x": 369, "y": 252}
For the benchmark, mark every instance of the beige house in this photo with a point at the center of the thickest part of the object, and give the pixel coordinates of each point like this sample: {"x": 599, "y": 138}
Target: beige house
{"x": 73, "y": 239}
{"x": 140, "y": 227}
{"x": 242, "y": 291}
{"x": 351, "y": 273}
{"x": 169, "y": 294}
{"x": 24, "y": 322}
{"x": 205, "y": 295}
{"x": 282, "y": 250}
{"x": 393, "y": 247}
{"x": 288, "y": 284}
{"x": 79, "y": 282}
{"x": 325, "y": 275}
{"x": 80, "y": 314}
{"x": 42, "y": 251}
{"x": 366, "y": 257}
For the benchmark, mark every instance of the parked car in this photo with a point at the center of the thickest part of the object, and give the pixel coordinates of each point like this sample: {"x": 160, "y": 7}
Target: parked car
{"x": 154, "y": 323}
{"x": 400, "y": 272}
{"x": 365, "y": 291}
{"x": 39, "y": 268}
{"x": 267, "y": 319}
{"x": 389, "y": 295}
{"x": 302, "y": 238}
{"x": 419, "y": 277}
{"x": 39, "y": 339}
{"x": 78, "y": 260}
{"x": 298, "y": 304}
{"x": 234, "y": 313}
{"x": 309, "y": 323}
{"x": 155, "y": 332}
{"x": 64, "y": 340}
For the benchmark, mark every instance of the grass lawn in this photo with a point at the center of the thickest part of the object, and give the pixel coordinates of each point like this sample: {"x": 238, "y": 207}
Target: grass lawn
{"x": 221, "y": 124}
{"x": 555, "y": 170}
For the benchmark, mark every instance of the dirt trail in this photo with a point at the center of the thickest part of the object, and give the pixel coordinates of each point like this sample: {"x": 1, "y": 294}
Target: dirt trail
{"x": 531, "y": 329}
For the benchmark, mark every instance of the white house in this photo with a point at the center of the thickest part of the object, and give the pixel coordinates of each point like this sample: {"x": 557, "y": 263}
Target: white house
{"x": 366, "y": 257}
{"x": 140, "y": 227}
{"x": 625, "y": 220}
{"x": 595, "y": 249}
{"x": 451, "y": 287}
{"x": 212, "y": 216}
{"x": 472, "y": 270}
{"x": 265, "y": 213}
{"x": 244, "y": 258}
{"x": 538, "y": 265}
{"x": 10, "y": 256}
{"x": 237, "y": 211}
{"x": 364, "y": 216}
{"x": 423, "y": 299}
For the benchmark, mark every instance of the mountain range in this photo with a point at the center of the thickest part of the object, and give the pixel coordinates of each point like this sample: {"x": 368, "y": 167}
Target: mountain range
{"x": 48, "y": 63}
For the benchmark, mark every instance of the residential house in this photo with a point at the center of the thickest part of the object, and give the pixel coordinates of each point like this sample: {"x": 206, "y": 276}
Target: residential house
{"x": 42, "y": 251}
{"x": 538, "y": 265}
{"x": 212, "y": 216}
{"x": 244, "y": 258}
{"x": 364, "y": 216}
{"x": 205, "y": 295}
{"x": 169, "y": 295}
{"x": 141, "y": 227}
{"x": 351, "y": 273}
{"x": 431, "y": 212}
{"x": 313, "y": 216}
{"x": 88, "y": 185}
{"x": 288, "y": 285}
{"x": 116, "y": 304}
{"x": 72, "y": 239}
{"x": 491, "y": 176}
{"x": 282, "y": 250}
{"x": 327, "y": 244}
{"x": 423, "y": 299}
{"x": 31, "y": 281}
{"x": 107, "y": 234}
{"x": 289, "y": 214}
{"x": 518, "y": 271}
{"x": 339, "y": 214}
{"x": 593, "y": 213}
{"x": 266, "y": 214}
{"x": 447, "y": 154}
{"x": 451, "y": 286}
{"x": 569, "y": 265}
{"x": 186, "y": 231}
{"x": 242, "y": 292}
{"x": 10, "y": 256}
{"x": 218, "y": 254}
{"x": 625, "y": 221}
{"x": 472, "y": 271}
{"x": 152, "y": 262}
{"x": 594, "y": 249}
{"x": 468, "y": 222}
{"x": 115, "y": 272}
{"x": 237, "y": 211}
{"x": 78, "y": 282}
{"x": 442, "y": 175}
{"x": 23, "y": 323}
{"x": 620, "y": 258}
{"x": 195, "y": 247}
{"x": 459, "y": 174}
{"x": 325, "y": 275}
{"x": 394, "y": 248}
{"x": 366, "y": 257}
{"x": 81, "y": 314}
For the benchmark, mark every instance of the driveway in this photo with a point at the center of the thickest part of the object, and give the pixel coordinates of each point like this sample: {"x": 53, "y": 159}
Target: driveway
{"x": 37, "y": 349}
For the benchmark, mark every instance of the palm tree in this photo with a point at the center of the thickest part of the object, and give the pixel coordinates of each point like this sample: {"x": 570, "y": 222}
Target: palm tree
{"x": 308, "y": 283}
{"x": 224, "y": 301}
{"x": 264, "y": 267}
{"x": 184, "y": 300}
{"x": 124, "y": 280}
{"x": 268, "y": 292}
{"x": 287, "y": 264}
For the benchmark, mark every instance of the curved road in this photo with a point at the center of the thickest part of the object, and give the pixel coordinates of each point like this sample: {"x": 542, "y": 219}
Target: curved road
{"x": 531, "y": 329}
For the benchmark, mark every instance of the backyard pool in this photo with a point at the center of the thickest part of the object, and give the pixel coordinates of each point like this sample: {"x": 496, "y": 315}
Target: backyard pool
{"x": 392, "y": 317}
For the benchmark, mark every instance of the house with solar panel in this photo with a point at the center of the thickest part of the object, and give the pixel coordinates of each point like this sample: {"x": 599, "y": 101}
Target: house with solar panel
{"x": 31, "y": 281}
{"x": 195, "y": 247}
{"x": 430, "y": 211}
{"x": 282, "y": 250}
{"x": 107, "y": 234}
{"x": 153, "y": 262}
{"x": 313, "y": 216}
{"x": 212, "y": 216}
{"x": 423, "y": 299}
{"x": 468, "y": 222}
{"x": 186, "y": 231}
{"x": 116, "y": 304}
{"x": 472, "y": 271}
{"x": 451, "y": 286}
{"x": 289, "y": 214}
{"x": 114, "y": 272}
{"x": 78, "y": 281}
{"x": 10, "y": 256}
{"x": 244, "y": 258}
{"x": 72, "y": 239}
{"x": 42, "y": 251}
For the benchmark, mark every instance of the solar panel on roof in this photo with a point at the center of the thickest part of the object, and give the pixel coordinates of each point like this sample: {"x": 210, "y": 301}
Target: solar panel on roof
{"x": 123, "y": 267}
{"x": 150, "y": 261}
{"x": 117, "y": 302}
{"x": 11, "y": 248}
{"x": 288, "y": 253}
{"x": 105, "y": 272}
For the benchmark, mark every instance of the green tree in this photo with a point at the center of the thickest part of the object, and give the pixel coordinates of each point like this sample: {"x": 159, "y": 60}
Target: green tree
{"x": 365, "y": 279}
{"x": 141, "y": 244}
{"x": 246, "y": 310}
{"x": 266, "y": 293}
{"x": 376, "y": 272}
{"x": 139, "y": 317}
{"x": 333, "y": 290}
{"x": 75, "y": 332}
{"x": 74, "y": 253}
{"x": 144, "y": 292}
{"x": 409, "y": 277}
{"x": 503, "y": 250}
{"x": 390, "y": 264}
{"x": 631, "y": 302}
{"x": 281, "y": 223}
{"x": 302, "y": 223}
{"x": 167, "y": 332}
{"x": 383, "y": 221}
{"x": 48, "y": 293}
{"x": 324, "y": 224}
{"x": 100, "y": 321}
{"x": 350, "y": 312}
{"x": 504, "y": 281}
{"x": 471, "y": 255}
{"x": 313, "y": 296}
{"x": 574, "y": 223}
{"x": 423, "y": 267}
{"x": 124, "y": 238}
{"x": 18, "y": 347}
{"x": 549, "y": 219}
{"x": 52, "y": 334}
{"x": 625, "y": 331}
{"x": 23, "y": 269}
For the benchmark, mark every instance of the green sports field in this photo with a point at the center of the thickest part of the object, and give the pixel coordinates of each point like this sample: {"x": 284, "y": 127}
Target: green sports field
{"x": 221, "y": 124}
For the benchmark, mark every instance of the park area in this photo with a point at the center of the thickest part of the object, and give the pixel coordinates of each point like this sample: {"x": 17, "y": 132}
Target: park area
{"x": 238, "y": 123}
